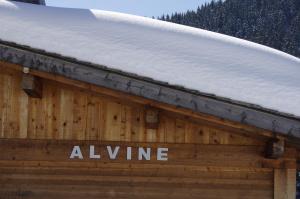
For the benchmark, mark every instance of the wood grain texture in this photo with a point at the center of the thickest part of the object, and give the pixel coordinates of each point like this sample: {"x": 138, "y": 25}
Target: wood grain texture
{"x": 209, "y": 157}
{"x": 32, "y": 86}
{"x": 102, "y": 91}
{"x": 69, "y": 113}
{"x": 285, "y": 183}
{"x": 42, "y": 168}
{"x": 148, "y": 192}
{"x": 193, "y": 154}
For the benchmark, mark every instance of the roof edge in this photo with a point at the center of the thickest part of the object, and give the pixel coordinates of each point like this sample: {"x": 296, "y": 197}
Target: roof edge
{"x": 39, "y": 2}
{"x": 196, "y": 101}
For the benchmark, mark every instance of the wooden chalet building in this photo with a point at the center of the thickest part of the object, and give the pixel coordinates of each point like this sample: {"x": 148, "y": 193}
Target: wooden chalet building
{"x": 72, "y": 126}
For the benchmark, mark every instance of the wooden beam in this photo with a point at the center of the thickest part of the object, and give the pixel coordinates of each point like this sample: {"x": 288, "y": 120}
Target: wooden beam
{"x": 177, "y": 154}
{"x": 274, "y": 148}
{"x": 152, "y": 118}
{"x": 285, "y": 183}
{"x": 32, "y": 86}
{"x": 279, "y": 164}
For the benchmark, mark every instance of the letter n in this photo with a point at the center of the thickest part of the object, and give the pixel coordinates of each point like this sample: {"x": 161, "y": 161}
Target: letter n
{"x": 144, "y": 154}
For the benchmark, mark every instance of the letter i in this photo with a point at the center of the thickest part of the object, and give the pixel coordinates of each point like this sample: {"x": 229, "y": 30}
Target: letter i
{"x": 128, "y": 153}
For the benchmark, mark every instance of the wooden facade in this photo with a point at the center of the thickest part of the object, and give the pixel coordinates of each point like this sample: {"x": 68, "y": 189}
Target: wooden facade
{"x": 208, "y": 157}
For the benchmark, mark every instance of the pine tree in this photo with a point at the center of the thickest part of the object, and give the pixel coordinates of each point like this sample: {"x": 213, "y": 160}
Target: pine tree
{"x": 273, "y": 23}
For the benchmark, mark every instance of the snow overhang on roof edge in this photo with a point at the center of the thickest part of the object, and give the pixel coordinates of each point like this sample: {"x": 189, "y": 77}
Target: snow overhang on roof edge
{"x": 286, "y": 124}
{"x": 40, "y": 2}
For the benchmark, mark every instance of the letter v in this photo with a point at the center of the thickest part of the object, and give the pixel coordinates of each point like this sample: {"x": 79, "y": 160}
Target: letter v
{"x": 113, "y": 154}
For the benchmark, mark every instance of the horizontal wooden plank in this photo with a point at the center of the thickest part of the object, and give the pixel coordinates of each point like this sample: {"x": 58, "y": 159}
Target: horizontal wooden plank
{"x": 134, "y": 181}
{"x": 42, "y": 169}
{"x": 280, "y": 164}
{"x": 145, "y": 170}
{"x": 188, "y": 154}
{"x": 91, "y": 192}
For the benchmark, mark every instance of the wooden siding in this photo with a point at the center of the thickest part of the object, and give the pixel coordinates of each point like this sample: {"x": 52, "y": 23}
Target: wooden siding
{"x": 41, "y": 169}
{"x": 72, "y": 114}
{"x": 210, "y": 160}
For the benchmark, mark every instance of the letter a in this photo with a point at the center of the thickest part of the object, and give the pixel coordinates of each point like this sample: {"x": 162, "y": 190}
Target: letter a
{"x": 76, "y": 153}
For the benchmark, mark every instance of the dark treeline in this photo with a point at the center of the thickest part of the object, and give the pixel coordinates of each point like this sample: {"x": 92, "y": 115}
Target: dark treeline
{"x": 274, "y": 23}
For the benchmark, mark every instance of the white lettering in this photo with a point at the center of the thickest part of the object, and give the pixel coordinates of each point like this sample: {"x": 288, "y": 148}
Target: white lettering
{"x": 113, "y": 154}
{"x": 140, "y": 153}
{"x": 128, "y": 153}
{"x": 162, "y": 154}
{"x": 144, "y": 154}
{"x": 92, "y": 153}
{"x": 76, "y": 152}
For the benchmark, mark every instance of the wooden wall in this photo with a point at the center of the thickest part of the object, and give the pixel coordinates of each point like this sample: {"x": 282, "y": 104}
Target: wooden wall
{"x": 68, "y": 113}
{"x": 231, "y": 164}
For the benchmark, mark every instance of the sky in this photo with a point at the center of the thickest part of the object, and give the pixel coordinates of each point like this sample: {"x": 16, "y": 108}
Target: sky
{"x": 147, "y": 8}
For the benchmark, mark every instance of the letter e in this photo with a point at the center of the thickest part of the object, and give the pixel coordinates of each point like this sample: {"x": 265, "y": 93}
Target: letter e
{"x": 162, "y": 154}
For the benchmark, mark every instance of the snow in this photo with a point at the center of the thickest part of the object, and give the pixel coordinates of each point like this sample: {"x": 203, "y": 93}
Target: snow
{"x": 193, "y": 58}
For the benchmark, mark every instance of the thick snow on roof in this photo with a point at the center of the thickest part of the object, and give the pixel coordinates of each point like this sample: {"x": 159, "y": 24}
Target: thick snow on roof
{"x": 180, "y": 55}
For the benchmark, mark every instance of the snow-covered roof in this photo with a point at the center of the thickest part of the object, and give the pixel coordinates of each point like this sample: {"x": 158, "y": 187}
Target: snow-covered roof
{"x": 193, "y": 58}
